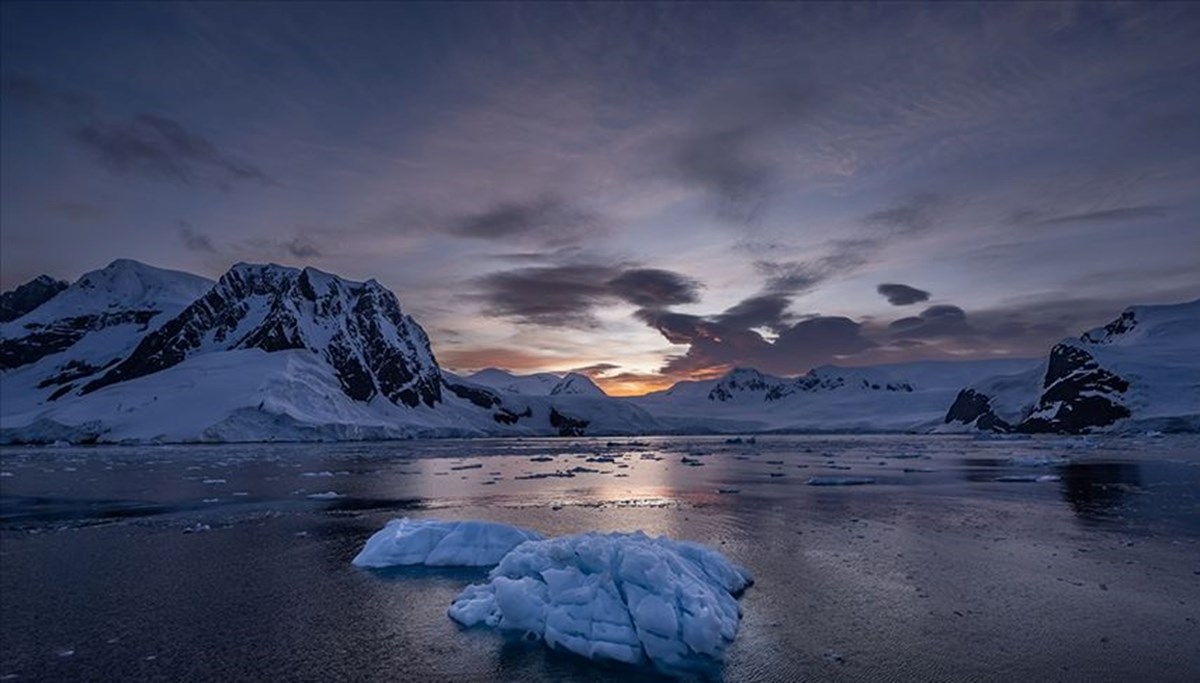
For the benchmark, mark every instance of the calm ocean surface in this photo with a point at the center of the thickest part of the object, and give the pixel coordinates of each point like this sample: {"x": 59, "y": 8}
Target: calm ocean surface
{"x": 1073, "y": 559}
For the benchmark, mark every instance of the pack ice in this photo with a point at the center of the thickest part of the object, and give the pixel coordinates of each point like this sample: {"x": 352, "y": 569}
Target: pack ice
{"x": 438, "y": 543}
{"x": 623, "y": 597}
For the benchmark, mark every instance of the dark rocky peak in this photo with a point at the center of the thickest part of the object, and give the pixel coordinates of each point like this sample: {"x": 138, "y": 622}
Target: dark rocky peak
{"x": 1107, "y": 334}
{"x": 742, "y": 381}
{"x": 1077, "y": 394}
{"x": 974, "y": 408}
{"x": 358, "y": 328}
{"x": 125, "y": 294}
{"x": 17, "y": 302}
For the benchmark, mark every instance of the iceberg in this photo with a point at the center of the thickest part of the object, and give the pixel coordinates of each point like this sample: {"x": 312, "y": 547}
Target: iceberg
{"x": 623, "y": 597}
{"x": 438, "y": 543}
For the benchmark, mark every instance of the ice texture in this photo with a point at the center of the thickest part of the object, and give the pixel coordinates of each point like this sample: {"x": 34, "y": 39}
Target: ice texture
{"x": 438, "y": 543}
{"x": 623, "y": 597}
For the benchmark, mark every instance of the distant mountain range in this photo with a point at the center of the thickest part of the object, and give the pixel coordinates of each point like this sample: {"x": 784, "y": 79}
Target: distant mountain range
{"x": 132, "y": 353}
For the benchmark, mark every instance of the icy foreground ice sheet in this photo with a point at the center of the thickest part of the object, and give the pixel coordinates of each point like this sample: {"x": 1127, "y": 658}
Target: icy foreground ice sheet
{"x": 623, "y": 597}
{"x": 439, "y": 543}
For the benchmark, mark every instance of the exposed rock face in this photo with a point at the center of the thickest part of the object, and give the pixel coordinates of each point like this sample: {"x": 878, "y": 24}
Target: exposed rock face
{"x": 746, "y": 381}
{"x": 358, "y": 328}
{"x": 972, "y": 407}
{"x": 1141, "y": 367}
{"x": 1078, "y": 394}
{"x": 28, "y": 296}
{"x": 80, "y": 329}
{"x": 567, "y": 426}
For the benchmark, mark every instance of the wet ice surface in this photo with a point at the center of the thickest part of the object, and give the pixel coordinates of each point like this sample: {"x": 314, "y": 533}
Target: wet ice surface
{"x": 1061, "y": 559}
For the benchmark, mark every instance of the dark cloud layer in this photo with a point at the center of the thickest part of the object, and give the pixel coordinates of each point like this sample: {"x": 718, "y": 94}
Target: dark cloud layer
{"x": 158, "y": 147}
{"x": 566, "y": 295}
{"x": 724, "y": 341}
{"x": 652, "y": 287}
{"x": 1123, "y": 213}
{"x": 935, "y": 321}
{"x": 902, "y": 295}
{"x": 547, "y": 220}
{"x": 195, "y": 240}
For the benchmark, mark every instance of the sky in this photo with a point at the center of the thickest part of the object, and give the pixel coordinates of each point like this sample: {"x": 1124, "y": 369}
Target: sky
{"x": 645, "y": 193}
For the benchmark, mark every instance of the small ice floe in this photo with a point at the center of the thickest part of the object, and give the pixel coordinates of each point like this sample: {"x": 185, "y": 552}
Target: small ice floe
{"x": 1038, "y": 460}
{"x": 326, "y": 495}
{"x": 1027, "y": 478}
{"x": 840, "y": 481}
{"x": 241, "y": 493}
{"x": 66, "y": 652}
{"x": 623, "y": 597}
{"x": 325, "y": 473}
{"x": 213, "y": 481}
{"x": 197, "y": 528}
{"x": 211, "y": 500}
{"x": 438, "y": 543}
{"x": 6, "y": 473}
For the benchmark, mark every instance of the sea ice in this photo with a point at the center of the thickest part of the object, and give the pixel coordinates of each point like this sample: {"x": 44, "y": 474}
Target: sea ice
{"x": 439, "y": 543}
{"x": 840, "y": 481}
{"x": 623, "y": 597}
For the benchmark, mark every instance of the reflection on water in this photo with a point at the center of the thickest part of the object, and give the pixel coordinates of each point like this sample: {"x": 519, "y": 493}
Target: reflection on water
{"x": 1099, "y": 491}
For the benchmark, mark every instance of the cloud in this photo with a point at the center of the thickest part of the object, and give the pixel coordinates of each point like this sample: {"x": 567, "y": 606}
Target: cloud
{"x": 550, "y": 295}
{"x": 84, "y": 213}
{"x": 763, "y": 310}
{"x": 935, "y": 321}
{"x": 566, "y": 295}
{"x": 596, "y": 370}
{"x": 158, "y": 147}
{"x": 194, "y": 240}
{"x": 550, "y": 220}
{"x": 902, "y": 295}
{"x": 24, "y": 89}
{"x": 719, "y": 342}
{"x": 722, "y": 164}
{"x": 914, "y": 215}
{"x": 654, "y": 288}
{"x": 1123, "y": 213}
{"x": 300, "y": 247}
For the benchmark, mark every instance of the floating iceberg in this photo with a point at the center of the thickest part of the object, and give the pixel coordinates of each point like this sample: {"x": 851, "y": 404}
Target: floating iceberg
{"x": 439, "y": 543}
{"x": 623, "y": 597}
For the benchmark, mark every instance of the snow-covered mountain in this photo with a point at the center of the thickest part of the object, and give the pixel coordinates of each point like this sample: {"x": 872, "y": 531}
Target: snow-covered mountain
{"x": 134, "y": 353}
{"x": 93, "y": 323}
{"x": 900, "y": 397}
{"x": 1141, "y": 371}
{"x": 538, "y": 384}
{"x": 29, "y": 296}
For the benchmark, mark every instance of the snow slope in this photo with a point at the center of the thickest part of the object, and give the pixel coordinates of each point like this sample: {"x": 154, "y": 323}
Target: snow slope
{"x": 266, "y": 353}
{"x": 538, "y": 384}
{"x": 1141, "y": 371}
{"x": 59, "y": 345}
{"x": 900, "y": 397}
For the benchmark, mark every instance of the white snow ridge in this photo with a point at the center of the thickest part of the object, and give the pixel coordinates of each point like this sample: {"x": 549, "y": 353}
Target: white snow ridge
{"x": 623, "y": 597}
{"x": 438, "y": 543}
